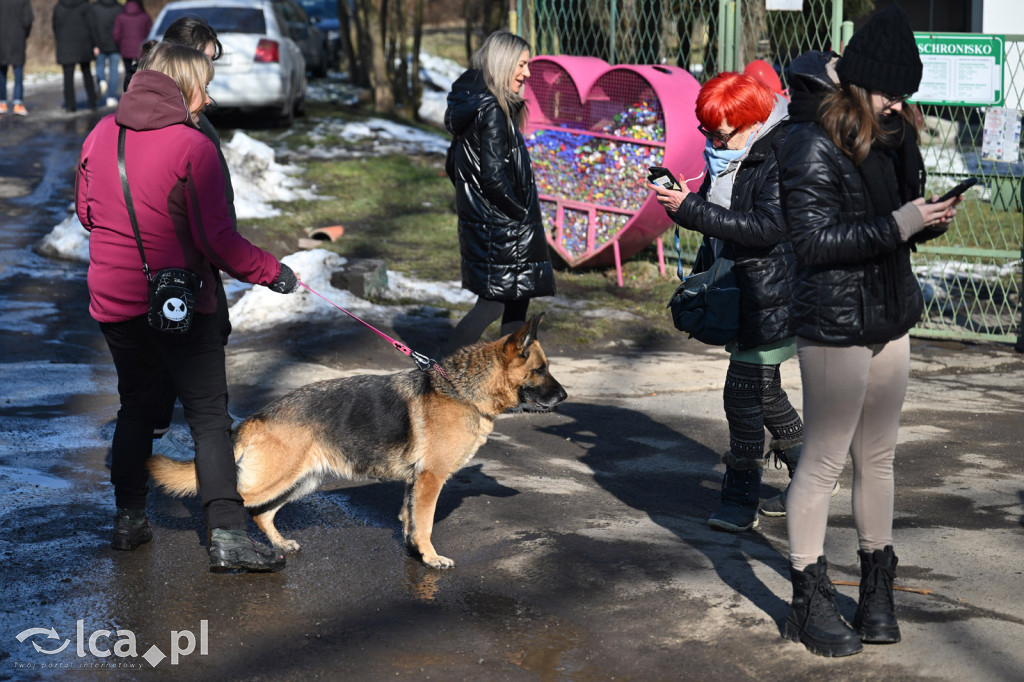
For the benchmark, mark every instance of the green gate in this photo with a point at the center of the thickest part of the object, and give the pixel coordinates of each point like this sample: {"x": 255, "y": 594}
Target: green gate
{"x": 971, "y": 276}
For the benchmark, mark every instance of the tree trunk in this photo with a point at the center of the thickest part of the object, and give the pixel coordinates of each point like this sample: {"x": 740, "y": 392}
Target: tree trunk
{"x": 417, "y": 38}
{"x": 383, "y": 97}
{"x": 347, "y": 36}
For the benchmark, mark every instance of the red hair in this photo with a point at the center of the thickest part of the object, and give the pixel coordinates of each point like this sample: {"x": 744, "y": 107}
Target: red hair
{"x": 741, "y": 99}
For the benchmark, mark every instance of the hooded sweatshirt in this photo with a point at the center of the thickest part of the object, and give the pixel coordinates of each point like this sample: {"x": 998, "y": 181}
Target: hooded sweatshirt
{"x": 131, "y": 27}
{"x": 177, "y": 189}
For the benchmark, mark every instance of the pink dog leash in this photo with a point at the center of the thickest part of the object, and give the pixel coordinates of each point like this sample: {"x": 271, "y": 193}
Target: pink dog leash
{"x": 421, "y": 360}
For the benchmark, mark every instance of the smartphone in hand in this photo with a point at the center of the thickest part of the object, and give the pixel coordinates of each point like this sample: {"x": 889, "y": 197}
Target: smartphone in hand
{"x": 956, "y": 191}
{"x": 662, "y": 177}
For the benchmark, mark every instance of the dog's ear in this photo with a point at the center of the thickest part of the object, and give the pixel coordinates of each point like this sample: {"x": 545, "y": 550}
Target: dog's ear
{"x": 520, "y": 341}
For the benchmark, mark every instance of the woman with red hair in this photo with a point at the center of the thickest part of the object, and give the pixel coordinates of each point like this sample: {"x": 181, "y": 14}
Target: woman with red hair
{"x": 738, "y": 211}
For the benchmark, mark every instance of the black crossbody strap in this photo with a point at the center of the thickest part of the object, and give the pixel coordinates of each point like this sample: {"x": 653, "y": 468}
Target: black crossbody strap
{"x": 128, "y": 198}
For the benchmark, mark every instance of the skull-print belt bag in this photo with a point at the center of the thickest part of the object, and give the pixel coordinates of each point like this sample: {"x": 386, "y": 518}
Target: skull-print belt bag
{"x": 173, "y": 292}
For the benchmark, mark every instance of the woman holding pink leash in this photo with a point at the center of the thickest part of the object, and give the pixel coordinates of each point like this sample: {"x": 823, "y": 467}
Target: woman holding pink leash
{"x": 737, "y": 210}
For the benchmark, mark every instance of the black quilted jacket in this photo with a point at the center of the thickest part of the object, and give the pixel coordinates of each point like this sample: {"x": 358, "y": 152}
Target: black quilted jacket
{"x": 838, "y": 238}
{"x": 756, "y": 239}
{"x": 501, "y": 238}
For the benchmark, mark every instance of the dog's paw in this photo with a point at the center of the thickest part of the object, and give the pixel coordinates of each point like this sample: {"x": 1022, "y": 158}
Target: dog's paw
{"x": 439, "y": 562}
{"x": 289, "y": 546}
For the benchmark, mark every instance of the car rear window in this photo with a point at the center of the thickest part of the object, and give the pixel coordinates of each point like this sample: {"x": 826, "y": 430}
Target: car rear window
{"x": 221, "y": 19}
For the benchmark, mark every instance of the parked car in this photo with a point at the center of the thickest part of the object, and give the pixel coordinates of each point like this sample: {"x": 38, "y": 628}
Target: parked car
{"x": 262, "y": 67}
{"x": 324, "y": 14}
{"x": 311, "y": 39}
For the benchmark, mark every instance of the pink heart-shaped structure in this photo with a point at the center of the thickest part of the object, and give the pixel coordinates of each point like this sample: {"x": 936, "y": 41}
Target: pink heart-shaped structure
{"x": 591, "y": 152}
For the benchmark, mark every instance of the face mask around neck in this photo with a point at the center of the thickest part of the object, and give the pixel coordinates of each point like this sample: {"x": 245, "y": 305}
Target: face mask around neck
{"x": 718, "y": 158}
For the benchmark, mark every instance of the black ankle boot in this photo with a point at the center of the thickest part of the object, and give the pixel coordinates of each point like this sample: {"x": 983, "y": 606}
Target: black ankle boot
{"x": 741, "y": 490}
{"x": 131, "y": 529}
{"x": 875, "y": 620}
{"x": 814, "y": 619}
{"x": 233, "y": 551}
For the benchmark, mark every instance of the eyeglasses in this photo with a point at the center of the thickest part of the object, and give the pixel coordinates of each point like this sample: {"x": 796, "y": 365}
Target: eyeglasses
{"x": 716, "y": 136}
{"x": 890, "y": 100}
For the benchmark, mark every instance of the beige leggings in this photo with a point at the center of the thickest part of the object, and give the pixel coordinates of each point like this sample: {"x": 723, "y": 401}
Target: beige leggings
{"x": 852, "y": 401}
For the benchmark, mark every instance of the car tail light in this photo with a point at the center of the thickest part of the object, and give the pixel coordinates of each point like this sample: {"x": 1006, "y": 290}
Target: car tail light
{"x": 267, "y": 51}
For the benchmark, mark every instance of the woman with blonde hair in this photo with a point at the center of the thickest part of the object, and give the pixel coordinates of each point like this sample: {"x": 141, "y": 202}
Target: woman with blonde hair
{"x": 177, "y": 191}
{"x": 505, "y": 259}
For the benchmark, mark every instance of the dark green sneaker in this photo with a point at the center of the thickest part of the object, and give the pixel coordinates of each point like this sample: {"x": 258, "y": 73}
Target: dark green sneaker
{"x": 131, "y": 529}
{"x": 233, "y": 551}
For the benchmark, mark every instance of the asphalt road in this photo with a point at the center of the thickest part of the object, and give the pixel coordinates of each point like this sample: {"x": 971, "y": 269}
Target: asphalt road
{"x": 580, "y": 537}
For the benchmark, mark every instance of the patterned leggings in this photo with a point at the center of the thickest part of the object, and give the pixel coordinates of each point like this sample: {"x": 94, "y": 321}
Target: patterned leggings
{"x": 754, "y": 400}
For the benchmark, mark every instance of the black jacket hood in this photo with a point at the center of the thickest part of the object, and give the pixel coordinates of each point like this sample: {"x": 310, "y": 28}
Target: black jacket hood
{"x": 810, "y": 81}
{"x": 469, "y": 92}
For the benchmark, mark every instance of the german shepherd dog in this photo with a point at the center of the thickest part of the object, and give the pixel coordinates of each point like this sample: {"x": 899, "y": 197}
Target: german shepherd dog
{"x": 414, "y": 426}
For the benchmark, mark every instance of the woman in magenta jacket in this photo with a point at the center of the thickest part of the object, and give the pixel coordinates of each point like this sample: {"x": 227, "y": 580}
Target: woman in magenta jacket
{"x": 131, "y": 27}
{"x": 177, "y": 189}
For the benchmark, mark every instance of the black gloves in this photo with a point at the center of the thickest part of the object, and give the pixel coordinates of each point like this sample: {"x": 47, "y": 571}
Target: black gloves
{"x": 286, "y": 282}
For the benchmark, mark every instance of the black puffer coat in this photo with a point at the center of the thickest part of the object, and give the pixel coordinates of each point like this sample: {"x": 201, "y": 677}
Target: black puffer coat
{"x": 755, "y": 237}
{"x": 839, "y": 239}
{"x": 501, "y": 238}
{"x": 73, "y": 31}
{"x": 104, "y": 12}
{"x": 15, "y": 25}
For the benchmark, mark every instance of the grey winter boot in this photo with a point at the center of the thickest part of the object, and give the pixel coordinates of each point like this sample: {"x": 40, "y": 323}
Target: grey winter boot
{"x": 741, "y": 489}
{"x": 875, "y": 620}
{"x": 776, "y": 506}
{"x": 814, "y": 619}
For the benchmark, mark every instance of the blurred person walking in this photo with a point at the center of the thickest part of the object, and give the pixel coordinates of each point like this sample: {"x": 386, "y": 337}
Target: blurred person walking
{"x": 104, "y": 13}
{"x": 75, "y": 44}
{"x": 852, "y": 181}
{"x": 503, "y": 248}
{"x": 15, "y": 24}
{"x": 131, "y": 27}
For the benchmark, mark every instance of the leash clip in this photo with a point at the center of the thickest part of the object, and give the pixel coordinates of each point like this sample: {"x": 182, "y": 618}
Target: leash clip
{"x": 422, "y": 361}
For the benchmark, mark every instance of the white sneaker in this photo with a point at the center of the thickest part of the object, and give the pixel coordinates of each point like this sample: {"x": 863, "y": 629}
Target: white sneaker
{"x": 111, "y": 102}
{"x": 103, "y": 88}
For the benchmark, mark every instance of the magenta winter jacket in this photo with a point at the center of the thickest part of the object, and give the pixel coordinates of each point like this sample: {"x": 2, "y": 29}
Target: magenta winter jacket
{"x": 178, "y": 191}
{"x": 131, "y": 27}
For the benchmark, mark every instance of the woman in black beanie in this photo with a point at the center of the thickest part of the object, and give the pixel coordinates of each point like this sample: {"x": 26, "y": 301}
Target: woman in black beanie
{"x": 852, "y": 179}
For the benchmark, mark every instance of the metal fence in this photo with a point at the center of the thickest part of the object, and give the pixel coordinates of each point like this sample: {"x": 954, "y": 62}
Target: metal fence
{"x": 971, "y": 276}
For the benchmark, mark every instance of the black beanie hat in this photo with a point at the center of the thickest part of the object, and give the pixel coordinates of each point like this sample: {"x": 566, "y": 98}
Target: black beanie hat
{"x": 882, "y": 56}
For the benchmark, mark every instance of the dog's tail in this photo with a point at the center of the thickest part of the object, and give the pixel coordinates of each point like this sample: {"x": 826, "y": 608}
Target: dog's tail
{"x": 173, "y": 476}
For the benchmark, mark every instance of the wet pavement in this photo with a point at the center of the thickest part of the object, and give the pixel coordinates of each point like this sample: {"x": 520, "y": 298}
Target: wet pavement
{"x": 580, "y": 537}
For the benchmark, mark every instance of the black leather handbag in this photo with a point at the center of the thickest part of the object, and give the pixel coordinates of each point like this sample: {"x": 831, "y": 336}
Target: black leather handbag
{"x": 707, "y": 305}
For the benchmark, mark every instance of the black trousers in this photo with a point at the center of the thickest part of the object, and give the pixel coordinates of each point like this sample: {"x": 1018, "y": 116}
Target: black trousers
{"x": 70, "y": 102}
{"x": 170, "y": 395}
{"x": 195, "y": 363}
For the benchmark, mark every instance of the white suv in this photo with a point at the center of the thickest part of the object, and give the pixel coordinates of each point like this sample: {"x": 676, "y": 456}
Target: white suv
{"x": 262, "y": 67}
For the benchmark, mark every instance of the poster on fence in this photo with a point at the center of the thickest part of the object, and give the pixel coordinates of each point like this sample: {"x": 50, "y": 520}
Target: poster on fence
{"x": 1000, "y": 137}
{"x": 962, "y": 69}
